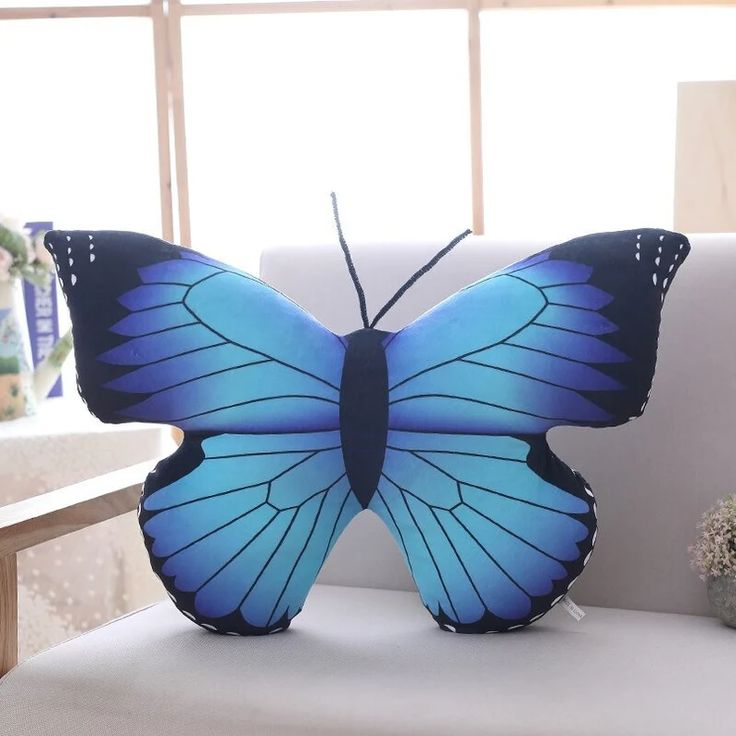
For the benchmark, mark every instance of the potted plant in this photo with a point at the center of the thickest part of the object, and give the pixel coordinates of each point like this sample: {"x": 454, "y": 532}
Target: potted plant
{"x": 714, "y": 555}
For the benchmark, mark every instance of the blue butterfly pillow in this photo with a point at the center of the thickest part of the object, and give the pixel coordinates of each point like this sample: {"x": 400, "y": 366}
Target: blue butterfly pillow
{"x": 440, "y": 428}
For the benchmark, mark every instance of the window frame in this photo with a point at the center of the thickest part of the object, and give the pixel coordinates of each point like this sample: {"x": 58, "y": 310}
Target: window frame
{"x": 166, "y": 23}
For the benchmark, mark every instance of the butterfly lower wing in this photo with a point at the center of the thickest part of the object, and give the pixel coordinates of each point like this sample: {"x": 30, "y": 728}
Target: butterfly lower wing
{"x": 238, "y": 526}
{"x": 494, "y": 529}
{"x": 568, "y": 336}
{"x": 164, "y": 334}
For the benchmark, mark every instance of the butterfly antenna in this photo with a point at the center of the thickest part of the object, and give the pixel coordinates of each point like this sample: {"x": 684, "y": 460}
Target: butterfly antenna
{"x": 424, "y": 269}
{"x": 349, "y": 261}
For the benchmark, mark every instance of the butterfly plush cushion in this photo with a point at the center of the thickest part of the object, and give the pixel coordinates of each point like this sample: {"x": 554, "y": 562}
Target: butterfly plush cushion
{"x": 439, "y": 429}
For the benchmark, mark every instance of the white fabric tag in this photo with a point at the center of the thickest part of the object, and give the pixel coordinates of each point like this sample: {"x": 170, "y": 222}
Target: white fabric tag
{"x": 572, "y": 608}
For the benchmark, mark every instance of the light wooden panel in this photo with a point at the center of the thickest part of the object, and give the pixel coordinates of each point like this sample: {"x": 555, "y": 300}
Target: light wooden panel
{"x": 330, "y": 6}
{"x": 176, "y": 92}
{"x": 705, "y": 172}
{"x": 161, "y": 73}
{"x": 89, "y": 11}
{"x": 56, "y": 513}
{"x": 8, "y": 613}
{"x": 476, "y": 119}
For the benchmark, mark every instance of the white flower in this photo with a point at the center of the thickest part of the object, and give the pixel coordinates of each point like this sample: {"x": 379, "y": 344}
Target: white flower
{"x": 30, "y": 252}
{"x": 43, "y": 256}
{"x": 11, "y": 223}
{"x": 6, "y": 262}
{"x": 16, "y": 226}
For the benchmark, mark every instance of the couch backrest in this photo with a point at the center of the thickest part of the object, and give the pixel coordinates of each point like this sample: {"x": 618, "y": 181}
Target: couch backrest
{"x": 653, "y": 477}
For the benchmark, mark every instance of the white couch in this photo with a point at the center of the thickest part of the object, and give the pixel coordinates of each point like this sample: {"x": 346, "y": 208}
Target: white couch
{"x": 369, "y": 660}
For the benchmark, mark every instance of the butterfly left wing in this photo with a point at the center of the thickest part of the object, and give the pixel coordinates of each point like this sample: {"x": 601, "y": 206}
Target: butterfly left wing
{"x": 239, "y": 520}
{"x": 237, "y": 526}
{"x": 164, "y": 334}
{"x": 495, "y": 528}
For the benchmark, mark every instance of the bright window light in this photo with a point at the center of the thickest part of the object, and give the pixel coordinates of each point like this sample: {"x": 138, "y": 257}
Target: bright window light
{"x": 78, "y": 142}
{"x": 281, "y": 109}
{"x": 580, "y": 113}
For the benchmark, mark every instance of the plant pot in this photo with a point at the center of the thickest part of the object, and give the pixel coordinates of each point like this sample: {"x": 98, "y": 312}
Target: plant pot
{"x": 722, "y": 598}
{"x": 16, "y": 369}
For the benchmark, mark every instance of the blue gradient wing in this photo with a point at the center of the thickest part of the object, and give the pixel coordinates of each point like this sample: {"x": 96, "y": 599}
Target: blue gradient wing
{"x": 239, "y": 520}
{"x": 494, "y": 527}
{"x": 568, "y": 336}
{"x": 238, "y": 526}
{"x": 164, "y": 334}
{"x": 491, "y": 544}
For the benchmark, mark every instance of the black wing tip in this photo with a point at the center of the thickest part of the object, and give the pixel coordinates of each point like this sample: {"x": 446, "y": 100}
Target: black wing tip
{"x": 58, "y": 238}
{"x": 54, "y": 239}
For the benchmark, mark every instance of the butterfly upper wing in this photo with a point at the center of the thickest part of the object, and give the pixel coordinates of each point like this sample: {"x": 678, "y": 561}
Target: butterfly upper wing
{"x": 238, "y": 526}
{"x": 239, "y": 520}
{"x": 164, "y": 334}
{"x": 495, "y": 528}
{"x": 568, "y": 336}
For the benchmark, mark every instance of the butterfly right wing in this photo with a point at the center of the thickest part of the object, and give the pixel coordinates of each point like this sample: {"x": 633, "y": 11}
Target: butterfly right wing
{"x": 567, "y": 336}
{"x": 493, "y": 529}
{"x": 494, "y": 526}
{"x": 237, "y": 526}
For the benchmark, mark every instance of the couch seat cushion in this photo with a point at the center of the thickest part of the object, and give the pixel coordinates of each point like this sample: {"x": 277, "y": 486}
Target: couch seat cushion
{"x": 360, "y": 661}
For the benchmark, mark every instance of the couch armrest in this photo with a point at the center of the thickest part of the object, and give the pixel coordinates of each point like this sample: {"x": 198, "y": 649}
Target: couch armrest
{"x": 49, "y": 516}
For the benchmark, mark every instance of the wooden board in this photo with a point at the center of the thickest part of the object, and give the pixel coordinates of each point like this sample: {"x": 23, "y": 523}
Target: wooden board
{"x": 705, "y": 172}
